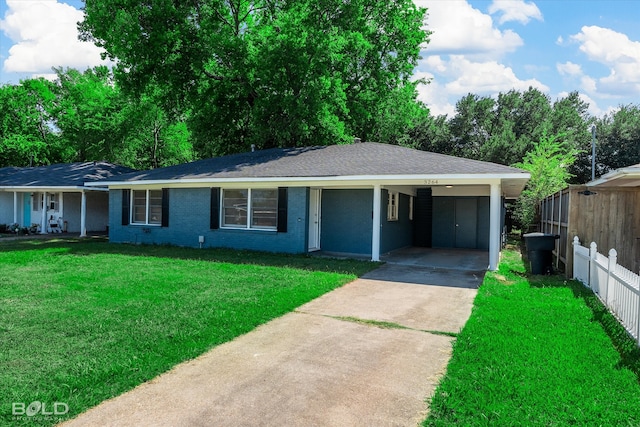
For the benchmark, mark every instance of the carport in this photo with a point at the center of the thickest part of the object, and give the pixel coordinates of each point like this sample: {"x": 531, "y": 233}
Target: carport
{"x": 459, "y": 268}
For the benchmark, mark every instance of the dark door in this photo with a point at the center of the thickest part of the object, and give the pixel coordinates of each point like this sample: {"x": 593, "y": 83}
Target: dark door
{"x": 466, "y": 214}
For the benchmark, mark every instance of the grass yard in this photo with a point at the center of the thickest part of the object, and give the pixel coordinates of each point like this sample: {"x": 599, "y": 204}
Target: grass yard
{"x": 538, "y": 350}
{"x": 82, "y": 321}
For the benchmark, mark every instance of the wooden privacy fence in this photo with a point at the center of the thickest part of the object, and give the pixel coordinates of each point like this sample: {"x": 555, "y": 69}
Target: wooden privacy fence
{"x": 609, "y": 216}
{"x": 617, "y": 287}
{"x": 554, "y": 212}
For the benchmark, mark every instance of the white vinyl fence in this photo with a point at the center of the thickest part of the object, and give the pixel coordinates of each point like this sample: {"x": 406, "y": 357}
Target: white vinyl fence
{"x": 617, "y": 287}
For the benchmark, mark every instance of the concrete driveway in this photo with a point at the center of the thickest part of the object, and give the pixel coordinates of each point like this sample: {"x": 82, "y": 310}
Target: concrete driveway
{"x": 325, "y": 364}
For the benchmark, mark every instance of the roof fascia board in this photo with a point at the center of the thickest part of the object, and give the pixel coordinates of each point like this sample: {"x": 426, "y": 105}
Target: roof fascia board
{"x": 615, "y": 175}
{"x": 28, "y": 189}
{"x": 424, "y": 180}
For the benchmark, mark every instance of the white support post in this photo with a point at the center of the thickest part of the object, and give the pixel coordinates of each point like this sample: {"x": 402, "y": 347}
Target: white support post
{"x": 61, "y": 206}
{"x": 15, "y": 209}
{"x": 593, "y": 250}
{"x": 83, "y": 215}
{"x": 638, "y": 319}
{"x": 613, "y": 261}
{"x": 576, "y": 243}
{"x": 43, "y": 219}
{"x": 495, "y": 213}
{"x": 375, "y": 234}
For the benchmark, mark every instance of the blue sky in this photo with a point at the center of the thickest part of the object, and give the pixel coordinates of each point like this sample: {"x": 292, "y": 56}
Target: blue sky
{"x": 482, "y": 47}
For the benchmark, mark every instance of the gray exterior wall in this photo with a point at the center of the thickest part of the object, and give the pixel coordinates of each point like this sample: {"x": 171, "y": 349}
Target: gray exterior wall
{"x": 97, "y": 217}
{"x": 71, "y": 212}
{"x": 97, "y": 211}
{"x": 444, "y": 222}
{"x": 395, "y": 234}
{"x": 189, "y": 215}
{"x": 347, "y": 219}
{"x": 6, "y": 208}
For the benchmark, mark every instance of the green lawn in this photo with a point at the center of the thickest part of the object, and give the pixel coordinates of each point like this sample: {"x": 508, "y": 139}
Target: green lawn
{"x": 538, "y": 350}
{"x": 82, "y": 321}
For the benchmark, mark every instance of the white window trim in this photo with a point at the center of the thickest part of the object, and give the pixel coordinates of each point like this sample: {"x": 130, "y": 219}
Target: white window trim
{"x": 392, "y": 208}
{"x": 249, "y": 203}
{"x": 146, "y": 222}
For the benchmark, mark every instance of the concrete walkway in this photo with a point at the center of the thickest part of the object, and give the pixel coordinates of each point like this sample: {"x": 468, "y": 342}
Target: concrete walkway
{"x": 317, "y": 366}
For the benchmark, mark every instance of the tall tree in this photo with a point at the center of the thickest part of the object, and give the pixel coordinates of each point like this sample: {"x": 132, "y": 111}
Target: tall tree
{"x": 471, "y": 126}
{"x": 571, "y": 117}
{"x": 548, "y": 163}
{"x": 89, "y": 113}
{"x": 264, "y": 72}
{"x": 430, "y": 134}
{"x": 618, "y": 139}
{"x": 27, "y": 132}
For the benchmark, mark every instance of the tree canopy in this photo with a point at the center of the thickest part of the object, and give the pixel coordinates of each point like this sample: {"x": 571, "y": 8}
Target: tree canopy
{"x": 269, "y": 72}
{"x": 84, "y": 116}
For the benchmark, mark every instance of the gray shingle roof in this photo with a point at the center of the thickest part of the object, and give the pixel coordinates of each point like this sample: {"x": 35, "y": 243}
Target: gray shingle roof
{"x": 60, "y": 175}
{"x": 326, "y": 161}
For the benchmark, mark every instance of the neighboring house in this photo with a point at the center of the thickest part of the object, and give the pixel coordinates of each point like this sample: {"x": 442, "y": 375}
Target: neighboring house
{"x": 54, "y": 198}
{"x": 361, "y": 198}
{"x": 605, "y": 211}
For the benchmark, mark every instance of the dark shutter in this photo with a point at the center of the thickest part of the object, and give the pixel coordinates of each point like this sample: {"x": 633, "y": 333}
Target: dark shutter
{"x": 282, "y": 209}
{"x": 165, "y": 207}
{"x": 126, "y": 199}
{"x": 423, "y": 218}
{"x": 214, "y": 221}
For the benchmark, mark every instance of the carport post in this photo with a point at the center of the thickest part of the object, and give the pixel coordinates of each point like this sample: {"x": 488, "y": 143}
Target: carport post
{"x": 83, "y": 215}
{"x": 375, "y": 235}
{"x": 43, "y": 217}
{"x": 494, "y": 226}
{"x": 15, "y": 209}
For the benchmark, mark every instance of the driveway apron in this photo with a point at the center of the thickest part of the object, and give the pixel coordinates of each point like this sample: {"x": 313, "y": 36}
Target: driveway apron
{"x": 329, "y": 363}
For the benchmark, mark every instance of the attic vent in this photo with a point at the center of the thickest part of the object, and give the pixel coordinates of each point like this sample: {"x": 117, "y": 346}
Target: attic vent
{"x": 357, "y": 140}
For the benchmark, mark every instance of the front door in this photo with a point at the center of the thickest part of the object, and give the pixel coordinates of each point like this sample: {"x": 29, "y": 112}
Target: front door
{"x": 314, "y": 219}
{"x": 26, "y": 209}
{"x": 466, "y": 215}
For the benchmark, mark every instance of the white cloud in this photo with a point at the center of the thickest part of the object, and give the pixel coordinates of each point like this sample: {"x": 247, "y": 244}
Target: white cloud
{"x": 487, "y": 78}
{"x": 459, "y": 28}
{"x": 515, "y": 10}
{"x": 569, "y": 69}
{"x": 617, "y": 52}
{"x": 45, "y": 35}
{"x": 461, "y": 76}
{"x": 464, "y": 54}
{"x": 434, "y": 95}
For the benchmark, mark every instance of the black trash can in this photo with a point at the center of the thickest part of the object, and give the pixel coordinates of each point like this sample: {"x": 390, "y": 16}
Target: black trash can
{"x": 539, "y": 251}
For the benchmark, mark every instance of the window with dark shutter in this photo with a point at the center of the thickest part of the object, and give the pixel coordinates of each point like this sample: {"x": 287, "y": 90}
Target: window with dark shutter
{"x": 126, "y": 199}
{"x": 282, "y": 209}
{"x": 214, "y": 221}
{"x": 165, "y": 208}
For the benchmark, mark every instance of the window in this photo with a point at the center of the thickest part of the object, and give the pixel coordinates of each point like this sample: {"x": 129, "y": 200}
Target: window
{"x": 392, "y": 207}
{"x": 37, "y": 201}
{"x": 248, "y": 208}
{"x": 54, "y": 201}
{"x": 264, "y": 208}
{"x": 234, "y": 208}
{"x": 146, "y": 207}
